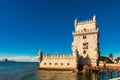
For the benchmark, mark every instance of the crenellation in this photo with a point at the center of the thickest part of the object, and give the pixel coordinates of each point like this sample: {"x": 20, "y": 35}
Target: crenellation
{"x": 85, "y": 22}
{"x": 90, "y": 31}
{"x": 57, "y": 56}
{"x": 61, "y": 56}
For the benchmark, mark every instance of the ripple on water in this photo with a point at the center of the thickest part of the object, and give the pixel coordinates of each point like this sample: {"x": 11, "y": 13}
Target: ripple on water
{"x": 16, "y": 71}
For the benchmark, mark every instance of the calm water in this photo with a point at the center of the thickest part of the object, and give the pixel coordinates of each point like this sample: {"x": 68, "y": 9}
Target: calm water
{"x": 28, "y": 71}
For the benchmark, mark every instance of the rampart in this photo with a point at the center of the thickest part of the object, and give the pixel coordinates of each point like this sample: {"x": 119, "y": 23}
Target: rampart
{"x": 58, "y": 62}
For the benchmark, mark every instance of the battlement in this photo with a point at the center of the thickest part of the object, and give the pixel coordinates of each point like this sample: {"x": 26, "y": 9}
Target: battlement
{"x": 87, "y": 31}
{"x": 85, "y": 22}
{"x": 76, "y": 22}
{"x": 58, "y": 62}
{"x": 58, "y": 56}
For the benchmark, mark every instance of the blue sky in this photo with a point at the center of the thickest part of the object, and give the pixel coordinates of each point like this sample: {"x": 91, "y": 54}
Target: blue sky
{"x": 29, "y": 25}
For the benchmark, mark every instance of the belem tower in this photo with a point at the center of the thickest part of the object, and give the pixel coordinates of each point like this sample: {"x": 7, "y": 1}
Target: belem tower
{"x": 85, "y": 49}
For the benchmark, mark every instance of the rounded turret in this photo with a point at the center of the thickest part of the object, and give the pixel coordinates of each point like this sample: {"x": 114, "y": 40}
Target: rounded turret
{"x": 94, "y": 18}
{"x": 40, "y": 55}
{"x": 75, "y": 22}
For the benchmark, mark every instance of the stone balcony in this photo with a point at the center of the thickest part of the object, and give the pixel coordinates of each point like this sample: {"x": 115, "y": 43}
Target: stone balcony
{"x": 87, "y": 31}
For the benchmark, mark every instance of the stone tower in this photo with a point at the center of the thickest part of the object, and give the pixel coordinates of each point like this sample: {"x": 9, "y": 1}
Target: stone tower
{"x": 86, "y": 40}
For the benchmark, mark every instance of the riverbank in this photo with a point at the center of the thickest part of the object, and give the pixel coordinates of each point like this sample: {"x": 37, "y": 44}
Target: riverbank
{"x": 28, "y": 71}
{"x": 108, "y": 66}
{"x": 115, "y": 78}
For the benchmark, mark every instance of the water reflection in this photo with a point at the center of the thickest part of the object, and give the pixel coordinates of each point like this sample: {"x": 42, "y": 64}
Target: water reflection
{"x": 65, "y": 75}
{"x": 56, "y": 75}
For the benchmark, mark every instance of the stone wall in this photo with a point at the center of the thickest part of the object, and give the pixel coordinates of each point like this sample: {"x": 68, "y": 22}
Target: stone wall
{"x": 58, "y": 62}
{"x": 86, "y": 37}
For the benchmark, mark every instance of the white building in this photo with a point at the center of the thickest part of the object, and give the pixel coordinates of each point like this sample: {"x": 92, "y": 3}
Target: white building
{"x": 86, "y": 40}
{"x": 85, "y": 47}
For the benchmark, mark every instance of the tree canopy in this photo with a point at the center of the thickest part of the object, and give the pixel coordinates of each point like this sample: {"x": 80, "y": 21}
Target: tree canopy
{"x": 105, "y": 59}
{"x": 111, "y": 55}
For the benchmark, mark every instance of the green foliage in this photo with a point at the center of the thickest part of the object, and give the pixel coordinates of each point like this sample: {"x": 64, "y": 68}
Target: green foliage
{"x": 118, "y": 58}
{"x": 111, "y": 55}
{"x": 105, "y": 59}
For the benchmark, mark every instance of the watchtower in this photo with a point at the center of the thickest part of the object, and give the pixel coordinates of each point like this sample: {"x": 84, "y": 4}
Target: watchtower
{"x": 86, "y": 37}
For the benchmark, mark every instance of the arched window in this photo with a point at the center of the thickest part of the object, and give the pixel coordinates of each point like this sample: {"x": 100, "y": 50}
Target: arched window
{"x": 55, "y": 63}
{"x": 84, "y": 36}
{"x": 84, "y": 52}
{"x": 68, "y": 63}
{"x": 84, "y": 29}
{"x": 44, "y": 63}
{"x": 61, "y": 63}
{"x": 50, "y": 63}
{"x": 85, "y": 45}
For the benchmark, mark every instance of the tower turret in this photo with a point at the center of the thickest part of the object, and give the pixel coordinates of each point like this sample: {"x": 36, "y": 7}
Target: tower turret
{"x": 94, "y": 18}
{"x": 40, "y": 55}
{"x": 75, "y": 22}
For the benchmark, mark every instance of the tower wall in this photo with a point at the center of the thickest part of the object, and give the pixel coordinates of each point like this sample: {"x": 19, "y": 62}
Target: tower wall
{"x": 61, "y": 62}
{"x": 86, "y": 40}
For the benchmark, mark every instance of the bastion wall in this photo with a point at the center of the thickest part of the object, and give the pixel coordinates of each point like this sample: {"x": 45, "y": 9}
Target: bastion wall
{"x": 67, "y": 62}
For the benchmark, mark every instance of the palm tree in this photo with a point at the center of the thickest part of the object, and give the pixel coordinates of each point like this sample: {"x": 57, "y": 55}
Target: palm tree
{"x": 118, "y": 58}
{"x": 111, "y": 56}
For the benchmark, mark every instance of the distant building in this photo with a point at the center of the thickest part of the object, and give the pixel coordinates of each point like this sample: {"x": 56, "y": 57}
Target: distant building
{"x": 85, "y": 47}
{"x": 3, "y": 60}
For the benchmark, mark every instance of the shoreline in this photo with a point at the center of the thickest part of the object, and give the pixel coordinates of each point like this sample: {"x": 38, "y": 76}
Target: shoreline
{"x": 57, "y": 69}
{"x": 115, "y": 67}
{"x": 115, "y": 78}
{"x": 109, "y": 66}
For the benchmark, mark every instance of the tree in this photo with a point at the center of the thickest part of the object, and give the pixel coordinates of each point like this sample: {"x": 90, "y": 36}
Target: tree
{"x": 111, "y": 56}
{"x": 105, "y": 59}
{"x": 118, "y": 58}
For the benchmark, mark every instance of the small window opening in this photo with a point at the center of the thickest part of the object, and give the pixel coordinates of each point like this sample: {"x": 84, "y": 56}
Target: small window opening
{"x": 44, "y": 63}
{"x": 84, "y": 52}
{"x": 55, "y": 63}
{"x": 50, "y": 63}
{"x": 84, "y": 37}
{"x": 68, "y": 63}
{"x": 61, "y": 63}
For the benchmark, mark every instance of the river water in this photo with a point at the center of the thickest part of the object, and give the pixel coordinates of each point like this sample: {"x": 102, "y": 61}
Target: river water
{"x": 29, "y": 71}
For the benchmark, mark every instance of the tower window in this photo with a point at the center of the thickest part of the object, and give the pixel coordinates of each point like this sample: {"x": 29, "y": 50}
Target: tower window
{"x": 55, "y": 63}
{"x": 68, "y": 63}
{"x": 84, "y": 52}
{"x": 44, "y": 63}
{"x": 84, "y": 29}
{"x": 61, "y": 63}
{"x": 85, "y": 45}
{"x": 84, "y": 37}
{"x": 50, "y": 63}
